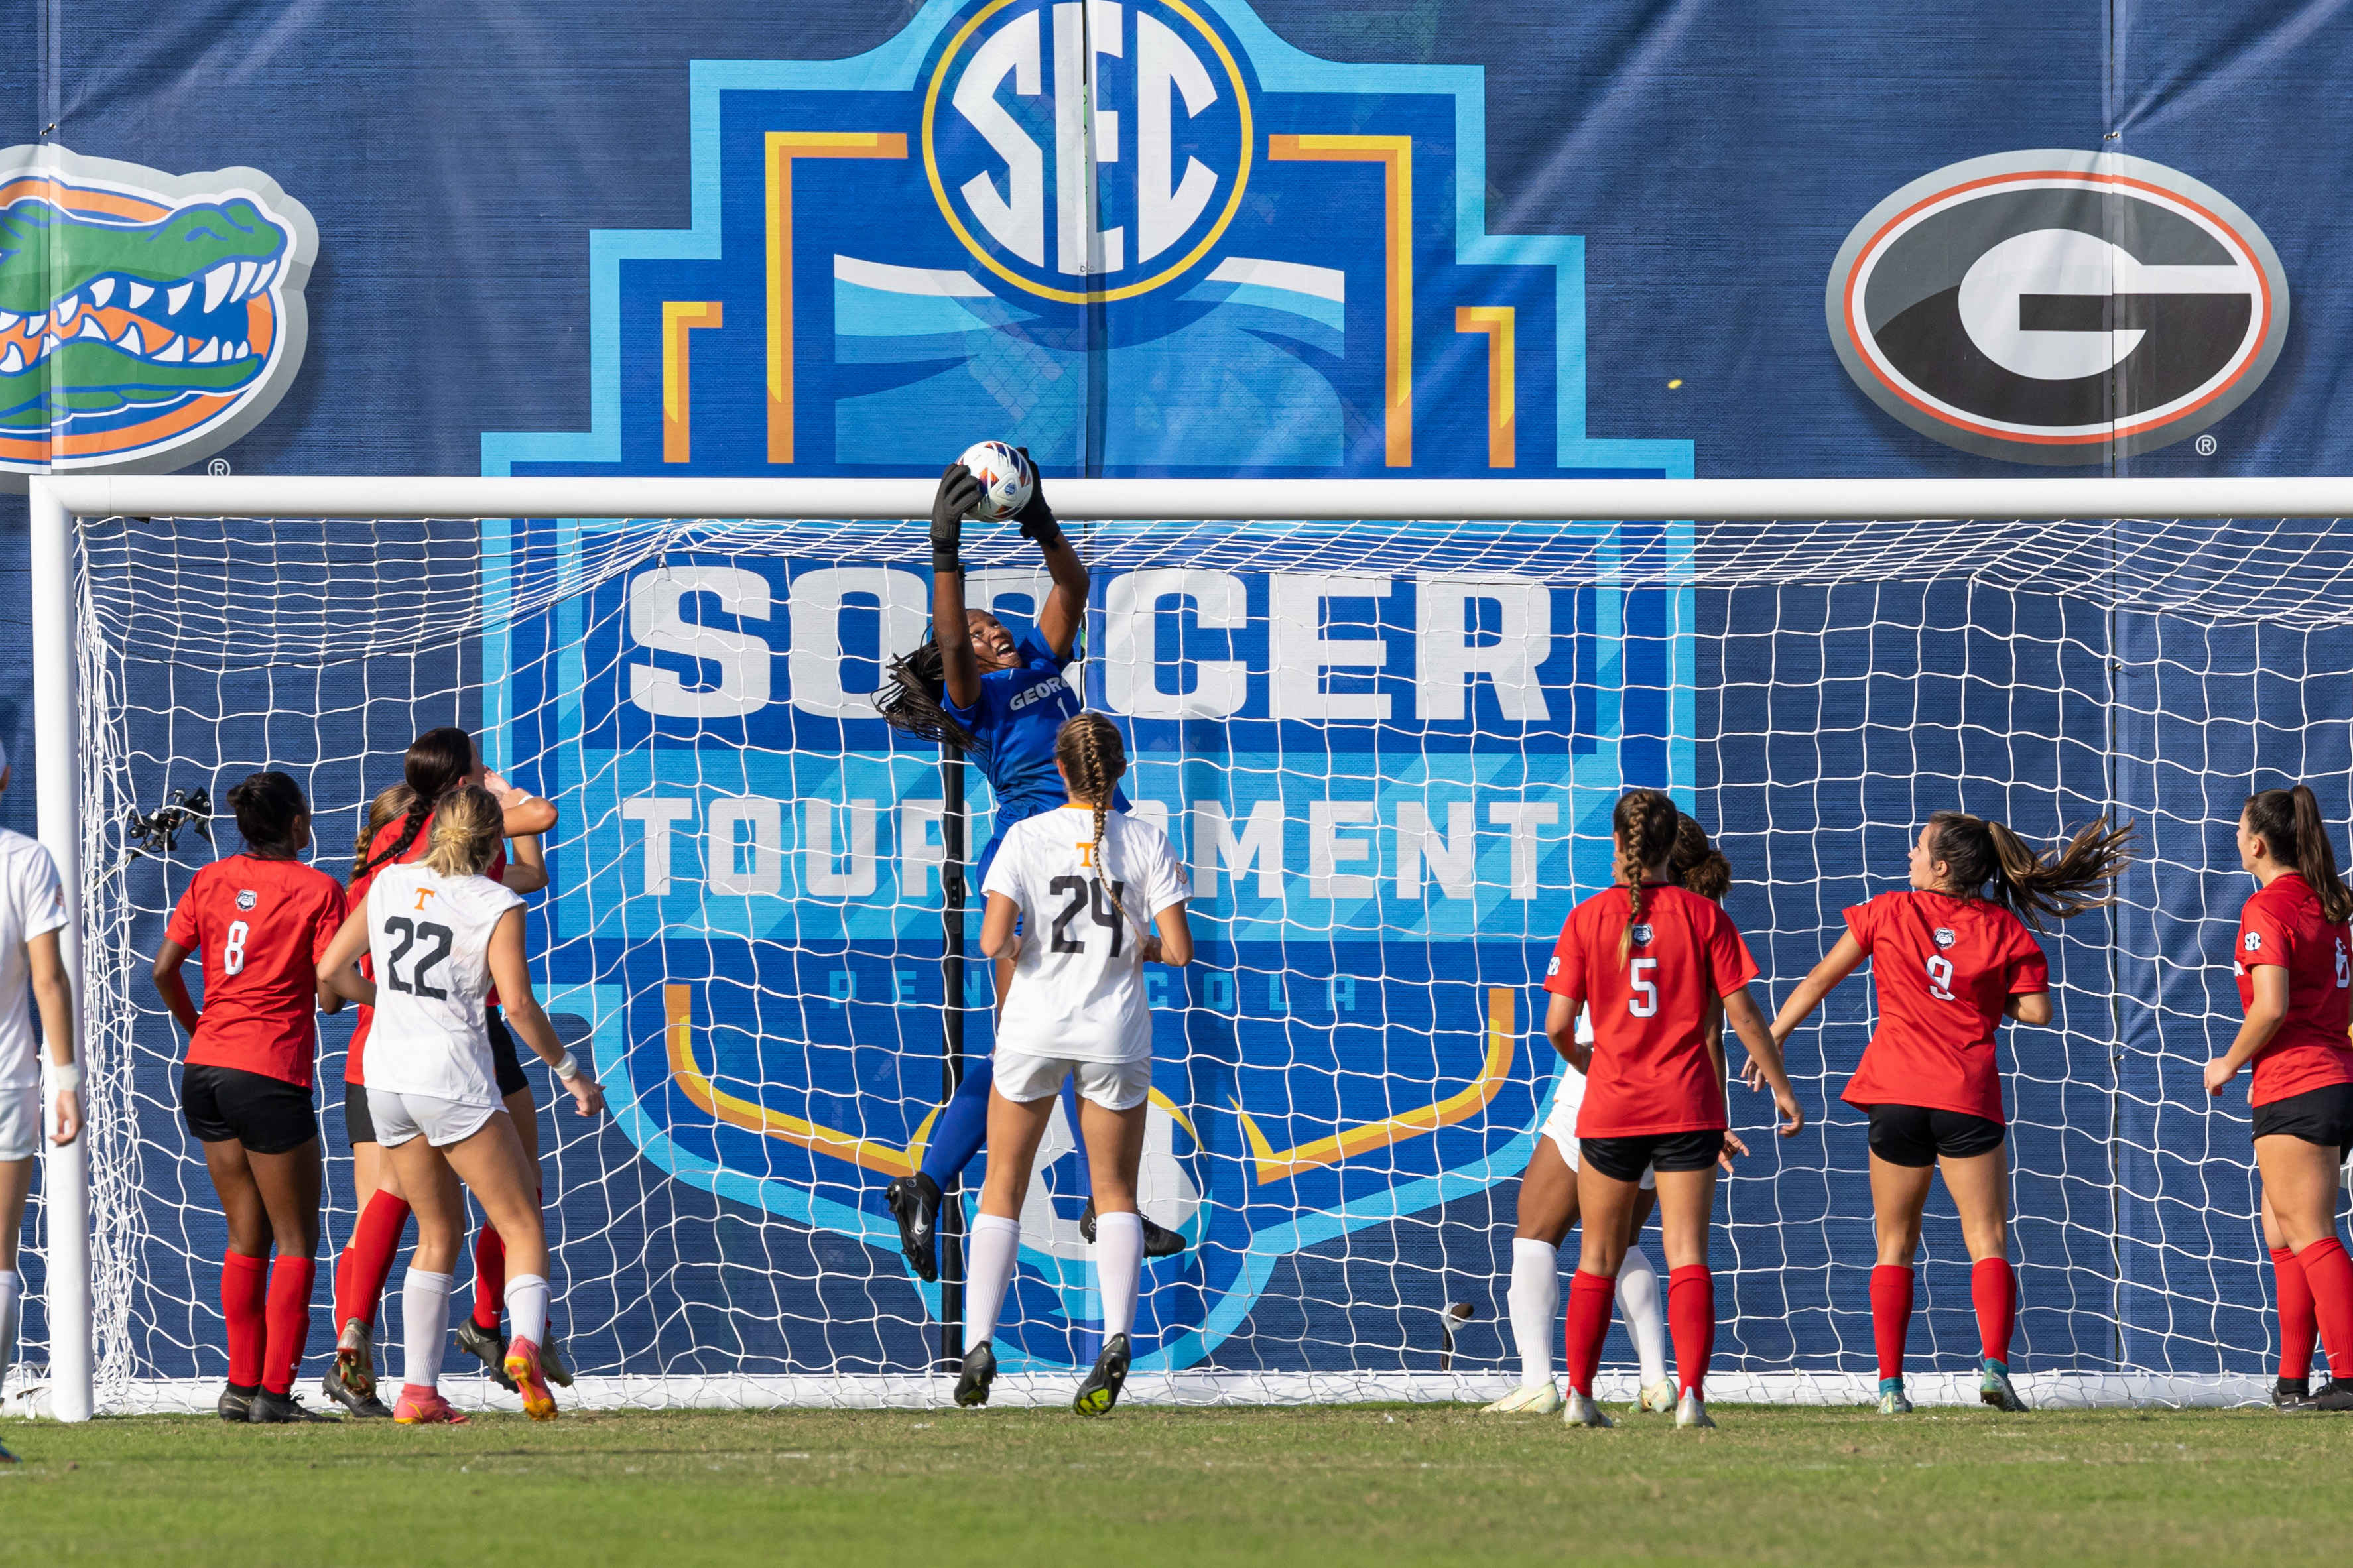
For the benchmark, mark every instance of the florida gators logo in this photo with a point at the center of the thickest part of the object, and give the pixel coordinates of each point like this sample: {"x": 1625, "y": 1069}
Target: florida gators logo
{"x": 146, "y": 319}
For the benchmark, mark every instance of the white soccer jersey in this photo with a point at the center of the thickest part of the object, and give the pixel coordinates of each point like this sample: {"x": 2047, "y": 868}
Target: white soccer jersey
{"x": 1078, "y": 988}
{"x": 430, "y": 936}
{"x": 31, "y": 902}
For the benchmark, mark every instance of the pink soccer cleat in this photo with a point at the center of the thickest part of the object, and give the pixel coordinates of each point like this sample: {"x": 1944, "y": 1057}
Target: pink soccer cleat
{"x": 425, "y": 1407}
{"x": 523, "y": 1367}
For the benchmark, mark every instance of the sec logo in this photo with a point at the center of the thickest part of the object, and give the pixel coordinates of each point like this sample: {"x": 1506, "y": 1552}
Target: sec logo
{"x": 2057, "y": 307}
{"x": 2255, "y": 942}
{"x": 1025, "y": 90}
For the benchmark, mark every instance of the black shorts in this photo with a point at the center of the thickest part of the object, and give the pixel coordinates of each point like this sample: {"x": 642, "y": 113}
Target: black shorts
{"x": 359, "y": 1122}
{"x": 1915, "y": 1135}
{"x": 502, "y": 1055}
{"x": 1623, "y": 1158}
{"x": 2323, "y": 1116}
{"x": 227, "y": 1105}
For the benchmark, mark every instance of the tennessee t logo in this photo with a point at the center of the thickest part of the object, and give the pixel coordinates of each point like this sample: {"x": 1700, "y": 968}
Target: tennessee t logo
{"x": 1086, "y": 854}
{"x": 423, "y": 894}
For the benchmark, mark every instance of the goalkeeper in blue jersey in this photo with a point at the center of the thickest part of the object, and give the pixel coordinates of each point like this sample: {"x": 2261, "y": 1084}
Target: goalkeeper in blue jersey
{"x": 1001, "y": 700}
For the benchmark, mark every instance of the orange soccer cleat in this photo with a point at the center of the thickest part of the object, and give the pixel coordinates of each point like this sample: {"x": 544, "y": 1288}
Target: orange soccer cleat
{"x": 425, "y": 1407}
{"x": 523, "y": 1367}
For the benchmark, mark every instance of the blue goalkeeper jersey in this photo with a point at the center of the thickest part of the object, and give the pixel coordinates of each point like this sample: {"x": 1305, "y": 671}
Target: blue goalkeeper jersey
{"x": 1019, "y": 713}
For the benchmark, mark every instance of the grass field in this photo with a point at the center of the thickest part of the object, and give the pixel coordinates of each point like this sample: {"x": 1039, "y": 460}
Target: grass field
{"x": 1328, "y": 1485}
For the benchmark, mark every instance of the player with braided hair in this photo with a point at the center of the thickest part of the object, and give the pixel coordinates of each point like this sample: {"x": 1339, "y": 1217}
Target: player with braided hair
{"x": 1101, "y": 894}
{"x": 1003, "y": 701}
{"x": 2295, "y": 966}
{"x": 398, "y": 831}
{"x": 1547, "y": 1203}
{"x": 1952, "y": 958}
{"x": 1652, "y": 959}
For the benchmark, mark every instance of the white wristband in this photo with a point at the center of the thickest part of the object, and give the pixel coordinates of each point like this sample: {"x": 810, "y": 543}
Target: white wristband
{"x": 568, "y": 1069}
{"x": 68, "y": 1076}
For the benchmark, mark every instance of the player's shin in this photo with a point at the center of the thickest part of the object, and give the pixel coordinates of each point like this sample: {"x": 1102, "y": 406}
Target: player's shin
{"x": 1119, "y": 1263}
{"x": 425, "y": 1326}
{"x": 1691, "y": 1318}
{"x": 2331, "y": 1277}
{"x": 1891, "y": 1319}
{"x": 989, "y": 1256}
{"x": 1993, "y": 1286}
{"x": 1590, "y": 1295}
{"x": 244, "y": 1284}
{"x": 2299, "y": 1326}
{"x": 1535, "y": 1301}
{"x": 526, "y": 1302}
{"x": 12, "y": 1307}
{"x": 288, "y": 1320}
{"x": 489, "y": 1278}
{"x": 1638, "y": 1302}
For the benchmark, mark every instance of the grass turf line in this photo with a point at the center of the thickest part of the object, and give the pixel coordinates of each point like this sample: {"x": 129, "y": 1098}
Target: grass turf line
{"x": 1324, "y": 1485}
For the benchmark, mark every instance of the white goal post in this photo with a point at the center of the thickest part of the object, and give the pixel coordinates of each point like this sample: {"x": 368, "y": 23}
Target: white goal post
{"x": 1792, "y": 510}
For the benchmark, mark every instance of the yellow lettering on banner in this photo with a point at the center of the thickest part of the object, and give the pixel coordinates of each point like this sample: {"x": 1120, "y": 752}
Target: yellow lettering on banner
{"x": 783, "y": 147}
{"x": 1503, "y": 415}
{"x": 680, "y": 317}
{"x": 1395, "y": 154}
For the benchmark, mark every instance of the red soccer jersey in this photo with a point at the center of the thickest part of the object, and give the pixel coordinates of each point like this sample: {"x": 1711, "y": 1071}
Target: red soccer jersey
{"x": 356, "y": 1055}
{"x": 261, "y": 926}
{"x": 1945, "y": 968}
{"x": 2283, "y": 925}
{"x": 1651, "y": 1071}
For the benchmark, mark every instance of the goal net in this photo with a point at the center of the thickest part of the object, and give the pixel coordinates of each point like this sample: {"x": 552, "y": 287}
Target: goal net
{"x": 1388, "y": 750}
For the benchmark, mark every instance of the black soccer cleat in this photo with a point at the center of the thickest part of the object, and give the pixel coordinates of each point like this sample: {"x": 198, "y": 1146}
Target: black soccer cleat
{"x": 979, "y": 1372}
{"x": 2286, "y": 1391}
{"x": 1101, "y": 1389}
{"x": 914, "y": 1203}
{"x": 284, "y": 1410}
{"x": 365, "y": 1406}
{"x": 2331, "y": 1398}
{"x": 487, "y": 1346}
{"x": 237, "y": 1403}
{"x": 1159, "y": 1241}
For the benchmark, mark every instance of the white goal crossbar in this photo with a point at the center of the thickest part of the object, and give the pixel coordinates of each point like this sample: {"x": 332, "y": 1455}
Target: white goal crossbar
{"x": 57, "y": 502}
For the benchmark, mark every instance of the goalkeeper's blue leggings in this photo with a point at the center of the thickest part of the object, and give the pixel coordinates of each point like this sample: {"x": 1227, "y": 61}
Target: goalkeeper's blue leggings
{"x": 963, "y": 1127}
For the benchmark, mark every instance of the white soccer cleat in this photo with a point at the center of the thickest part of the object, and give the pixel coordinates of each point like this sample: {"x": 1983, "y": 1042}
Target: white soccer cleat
{"x": 1692, "y": 1411}
{"x": 1533, "y": 1399}
{"x": 1658, "y": 1398}
{"x": 1580, "y": 1411}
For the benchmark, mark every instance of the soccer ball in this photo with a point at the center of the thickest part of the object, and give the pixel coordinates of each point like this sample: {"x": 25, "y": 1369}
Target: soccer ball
{"x": 1006, "y": 479}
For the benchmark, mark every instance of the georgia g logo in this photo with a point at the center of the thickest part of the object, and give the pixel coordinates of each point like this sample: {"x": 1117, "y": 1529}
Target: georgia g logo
{"x": 2057, "y": 307}
{"x": 146, "y": 319}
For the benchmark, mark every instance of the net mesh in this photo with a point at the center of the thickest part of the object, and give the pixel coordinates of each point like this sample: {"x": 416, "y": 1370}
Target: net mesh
{"x": 1388, "y": 749}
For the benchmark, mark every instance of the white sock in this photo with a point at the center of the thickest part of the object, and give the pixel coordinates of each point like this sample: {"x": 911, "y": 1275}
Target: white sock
{"x": 527, "y": 1307}
{"x": 988, "y": 1259}
{"x": 1638, "y": 1303}
{"x": 1119, "y": 1263}
{"x": 424, "y": 1327}
{"x": 12, "y": 1304}
{"x": 1535, "y": 1300}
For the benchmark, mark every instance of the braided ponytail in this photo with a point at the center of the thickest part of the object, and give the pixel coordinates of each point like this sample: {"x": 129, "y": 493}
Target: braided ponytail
{"x": 388, "y": 805}
{"x": 2034, "y": 885}
{"x": 437, "y": 762}
{"x": 2288, "y": 822}
{"x": 1644, "y": 827}
{"x": 1090, "y": 750}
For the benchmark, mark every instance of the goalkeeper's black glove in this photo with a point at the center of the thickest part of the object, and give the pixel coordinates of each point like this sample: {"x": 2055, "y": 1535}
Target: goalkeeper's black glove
{"x": 959, "y": 492}
{"x": 1036, "y": 518}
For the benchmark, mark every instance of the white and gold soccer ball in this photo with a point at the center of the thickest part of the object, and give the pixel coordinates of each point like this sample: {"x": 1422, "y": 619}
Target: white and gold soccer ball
{"x": 1007, "y": 479}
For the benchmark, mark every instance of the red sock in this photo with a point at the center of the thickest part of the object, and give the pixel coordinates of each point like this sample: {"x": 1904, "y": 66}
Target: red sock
{"x": 290, "y": 1280}
{"x": 376, "y": 1241}
{"x": 1995, "y": 1290}
{"x": 1691, "y": 1323}
{"x": 489, "y": 1277}
{"x": 2298, "y": 1326}
{"x": 343, "y": 1287}
{"x": 243, "y": 1280}
{"x": 1590, "y": 1297}
{"x": 2331, "y": 1274}
{"x": 1890, "y": 1316}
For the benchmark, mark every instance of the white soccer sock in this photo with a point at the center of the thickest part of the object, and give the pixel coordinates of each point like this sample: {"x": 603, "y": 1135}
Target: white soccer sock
{"x": 1638, "y": 1302}
{"x": 988, "y": 1262}
{"x": 1535, "y": 1298}
{"x": 12, "y": 1304}
{"x": 527, "y": 1307}
{"x": 1119, "y": 1263}
{"x": 424, "y": 1326}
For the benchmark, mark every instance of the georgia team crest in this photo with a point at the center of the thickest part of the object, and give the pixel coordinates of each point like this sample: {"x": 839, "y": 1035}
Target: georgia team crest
{"x": 1280, "y": 264}
{"x": 1944, "y": 936}
{"x": 147, "y": 320}
{"x": 1642, "y": 935}
{"x": 247, "y": 899}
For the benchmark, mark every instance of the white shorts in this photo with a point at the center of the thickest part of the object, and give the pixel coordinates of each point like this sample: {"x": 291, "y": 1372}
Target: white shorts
{"x": 1561, "y": 1128}
{"x": 440, "y": 1122}
{"x": 20, "y": 1122}
{"x": 1115, "y": 1086}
